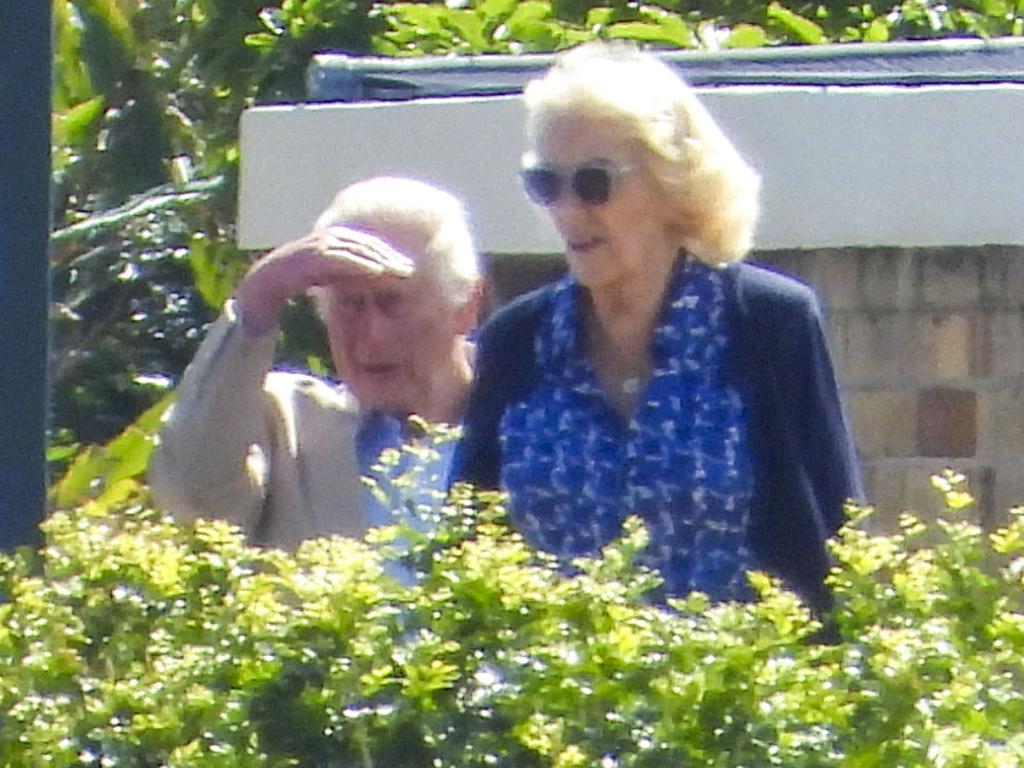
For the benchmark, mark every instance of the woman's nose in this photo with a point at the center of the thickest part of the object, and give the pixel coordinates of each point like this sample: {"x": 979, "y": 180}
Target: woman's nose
{"x": 567, "y": 209}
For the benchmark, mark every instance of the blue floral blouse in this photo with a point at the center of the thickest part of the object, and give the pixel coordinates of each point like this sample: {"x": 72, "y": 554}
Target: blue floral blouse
{"x": 574, "y": 469}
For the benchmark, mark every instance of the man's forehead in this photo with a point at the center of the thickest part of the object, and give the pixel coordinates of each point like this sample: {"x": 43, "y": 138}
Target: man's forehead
{"x": 417, "y": 284}
{"x": 410, "y": 238}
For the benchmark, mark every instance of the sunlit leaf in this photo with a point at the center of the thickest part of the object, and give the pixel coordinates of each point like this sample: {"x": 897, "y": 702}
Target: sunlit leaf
{"x": 668, "y": 29}
{"x": 746, "y": 36}
{"x": 600, "y": 16}
{"x": 71, "y": 126}
{"x": 80, "y": 479}
{"x": 802, "y": 28}
{"x": 496, "y": 9}
{"x": 213, "y": 280}
{"x": 877, "y": 31}
{"x": 469, "y": 26}
{"x": 998, "y": 9}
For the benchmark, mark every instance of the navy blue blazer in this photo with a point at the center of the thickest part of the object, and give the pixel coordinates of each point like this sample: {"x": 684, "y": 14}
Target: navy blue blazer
{"x": 804, "y": 456}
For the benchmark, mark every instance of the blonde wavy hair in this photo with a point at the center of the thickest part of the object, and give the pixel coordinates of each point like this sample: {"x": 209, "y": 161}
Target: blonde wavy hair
{"x": 712, "y": 193}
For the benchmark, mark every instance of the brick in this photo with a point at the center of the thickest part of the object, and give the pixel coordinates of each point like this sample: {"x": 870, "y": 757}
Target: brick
{"x": 884, "y": 422}
{"x": 948, "y": 346}
{"x": 849, "y": 351}
{"x": 950, "y": 342}
{"x": 1008, "y": 490}
{"x": 887, "y": 278}
{"x": 838, "y": 279}
{"x": 801, "y": 264}
{"x": 1001, "y": 423}
{"x": 950, "y": 277}
{"x": 981, "y": 343}
{"x": 1006, "y": 332}
{"x": 947, "y": 422}
{"x": 869, "y": 347}
{"x": 1002, "y": 275}
{"x": 885, "y": 488}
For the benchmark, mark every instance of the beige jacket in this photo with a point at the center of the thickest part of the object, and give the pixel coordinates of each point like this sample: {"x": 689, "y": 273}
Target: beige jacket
{"x": 270, "y": 451}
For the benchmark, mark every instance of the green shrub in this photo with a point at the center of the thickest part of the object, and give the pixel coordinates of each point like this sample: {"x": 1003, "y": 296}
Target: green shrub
{"x": 130, "y": 641}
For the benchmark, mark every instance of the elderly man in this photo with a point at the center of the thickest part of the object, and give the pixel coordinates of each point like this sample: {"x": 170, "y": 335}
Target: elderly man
{"x": 392, "y": 268}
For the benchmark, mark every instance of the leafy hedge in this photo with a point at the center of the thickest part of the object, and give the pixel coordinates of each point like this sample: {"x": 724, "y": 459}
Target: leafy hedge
{"x": 129, "y": 641}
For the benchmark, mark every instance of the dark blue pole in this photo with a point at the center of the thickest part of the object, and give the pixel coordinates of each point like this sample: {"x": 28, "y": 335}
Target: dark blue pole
{"x": 25, "y": 53}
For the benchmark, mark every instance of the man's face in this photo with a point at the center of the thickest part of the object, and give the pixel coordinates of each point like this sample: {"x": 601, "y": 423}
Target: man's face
{"x": 396, "y": 341}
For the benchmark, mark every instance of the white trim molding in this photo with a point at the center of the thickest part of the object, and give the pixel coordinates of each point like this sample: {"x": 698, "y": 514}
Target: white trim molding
{"x": 842, "y": 166}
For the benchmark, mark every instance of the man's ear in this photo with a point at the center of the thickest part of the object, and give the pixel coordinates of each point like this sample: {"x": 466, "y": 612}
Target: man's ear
{"x": 467, "y": 317}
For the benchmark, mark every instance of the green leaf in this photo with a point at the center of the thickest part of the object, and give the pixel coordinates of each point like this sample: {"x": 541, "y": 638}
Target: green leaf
{"x": 877, "y": 31}
{"x": 529, "y": 11}
{"x": 261, "y": 40}
{"x": 115, "y": 18}
{"x": 469, "y": 26}
{"x": 535, "y": 34}
{"x": 213, "y": 280}
{"x": 570, "y": 12}
{"x": 73, "y": 126}
{"x": 803, "y": 29}
{"x": 58, "y": 453}
{"x": 660, "y": 28}
{"x": 128, "y": 455}
{"x": 746, "y": 36}
{"x": 600, "y": 16}
{"x": 81, "y": 479}
{"x": 122, "y": 462}
{"x": 496, "y": 10}
{"x": 72, "y": 83}
{"x": 997, "y": 9}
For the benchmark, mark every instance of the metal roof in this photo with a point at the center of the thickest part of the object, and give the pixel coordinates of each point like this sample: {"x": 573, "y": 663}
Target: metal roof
{"x": 958, "y": 61}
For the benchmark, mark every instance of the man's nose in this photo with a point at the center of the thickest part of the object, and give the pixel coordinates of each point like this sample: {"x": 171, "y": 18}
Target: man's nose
{"x": 375, "y": 325}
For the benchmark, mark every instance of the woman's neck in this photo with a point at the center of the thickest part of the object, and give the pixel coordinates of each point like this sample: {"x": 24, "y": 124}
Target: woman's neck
{"x": 618, "y": 325}
{"x": 625, "y": 313}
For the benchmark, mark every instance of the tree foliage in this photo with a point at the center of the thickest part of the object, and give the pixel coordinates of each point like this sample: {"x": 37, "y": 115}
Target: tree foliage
{"x": 130, "y": 641}
{"x": 509, "y": 26}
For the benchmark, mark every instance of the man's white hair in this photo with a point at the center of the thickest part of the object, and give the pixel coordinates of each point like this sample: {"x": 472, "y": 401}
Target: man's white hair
{"x": 437, "y": 218}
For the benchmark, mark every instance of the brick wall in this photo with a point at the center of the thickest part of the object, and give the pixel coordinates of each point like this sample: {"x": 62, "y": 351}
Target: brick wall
{"x": 929, "y": 349}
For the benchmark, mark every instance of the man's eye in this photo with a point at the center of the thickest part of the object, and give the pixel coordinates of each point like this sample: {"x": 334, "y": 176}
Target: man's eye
{"x": 349, "y": 302}
{"x": 389, "y": 302}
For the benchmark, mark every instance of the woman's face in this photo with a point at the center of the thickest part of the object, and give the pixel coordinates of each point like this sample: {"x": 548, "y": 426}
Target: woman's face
{"x": 606, "y": 244}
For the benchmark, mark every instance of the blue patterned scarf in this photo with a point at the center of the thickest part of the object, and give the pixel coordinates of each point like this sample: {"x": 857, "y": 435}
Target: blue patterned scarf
{"x": 575, "y": 469}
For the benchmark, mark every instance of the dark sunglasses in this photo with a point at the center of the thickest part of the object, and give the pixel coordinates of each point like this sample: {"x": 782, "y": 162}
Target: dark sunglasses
{"x": 591, "y": 183}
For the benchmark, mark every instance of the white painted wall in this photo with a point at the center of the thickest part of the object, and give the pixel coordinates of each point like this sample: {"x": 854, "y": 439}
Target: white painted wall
{"x": 879, "y": 166}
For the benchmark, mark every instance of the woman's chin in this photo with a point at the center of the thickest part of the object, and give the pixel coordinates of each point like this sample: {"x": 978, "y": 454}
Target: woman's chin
{"x": 595, "y": 277}
{"x": 589, "y": 266}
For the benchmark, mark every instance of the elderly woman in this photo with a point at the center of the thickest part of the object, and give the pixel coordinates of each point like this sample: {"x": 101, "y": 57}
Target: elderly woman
{"x": 663, "y": 377}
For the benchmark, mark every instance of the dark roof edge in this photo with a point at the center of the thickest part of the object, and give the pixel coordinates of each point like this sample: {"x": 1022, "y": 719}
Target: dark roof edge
{"x": 960, "y": 61}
